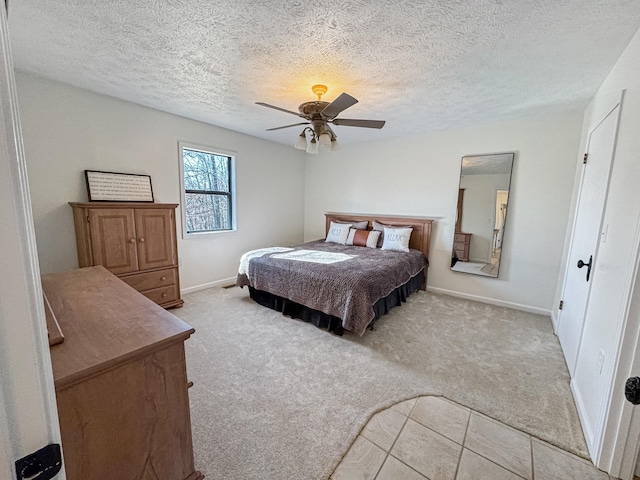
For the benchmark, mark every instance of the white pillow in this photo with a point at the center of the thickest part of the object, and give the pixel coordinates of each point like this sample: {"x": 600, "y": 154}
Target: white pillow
{"x": 363, "y": 238}
{"x": 396, "y": 239}
{"x": 338, "y": 233}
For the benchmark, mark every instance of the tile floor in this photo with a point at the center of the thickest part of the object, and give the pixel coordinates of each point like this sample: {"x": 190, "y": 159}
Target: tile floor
{"x": 431, "y": 438}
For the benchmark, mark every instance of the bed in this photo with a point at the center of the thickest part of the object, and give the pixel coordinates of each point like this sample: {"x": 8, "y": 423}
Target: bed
{"x": 340, "y": 287}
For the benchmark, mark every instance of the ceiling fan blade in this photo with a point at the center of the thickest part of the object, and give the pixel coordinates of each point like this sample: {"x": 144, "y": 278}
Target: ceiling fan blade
{"x": 287, "y": 126}
{"x": 341, "y": 103}
{"x": 350, "y": 122}
{"x": 281, "y": 109}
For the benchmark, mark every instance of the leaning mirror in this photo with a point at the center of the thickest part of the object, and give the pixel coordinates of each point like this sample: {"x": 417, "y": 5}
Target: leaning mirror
{"x": 483, "y": 197}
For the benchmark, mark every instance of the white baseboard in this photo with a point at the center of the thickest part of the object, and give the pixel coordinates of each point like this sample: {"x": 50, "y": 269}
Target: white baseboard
{"x": 586, "y": 426}
{"x": 554, "y": 321}
{"x": 217, "y": 283}
{"x": 490, "y": 301}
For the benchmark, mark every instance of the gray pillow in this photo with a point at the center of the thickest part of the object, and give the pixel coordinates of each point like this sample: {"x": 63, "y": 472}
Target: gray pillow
{"x": 357, "y": 225}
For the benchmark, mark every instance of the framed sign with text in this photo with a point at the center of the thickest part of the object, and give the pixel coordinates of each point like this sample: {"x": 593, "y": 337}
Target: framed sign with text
{"x": 118, "y": 187}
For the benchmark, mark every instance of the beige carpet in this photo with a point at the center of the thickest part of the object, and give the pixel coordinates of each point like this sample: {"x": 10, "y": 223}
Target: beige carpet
{"x": 276, "y": 398}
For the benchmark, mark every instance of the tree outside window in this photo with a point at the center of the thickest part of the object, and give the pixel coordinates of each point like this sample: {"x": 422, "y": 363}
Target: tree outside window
{"x": 208, "y": 199}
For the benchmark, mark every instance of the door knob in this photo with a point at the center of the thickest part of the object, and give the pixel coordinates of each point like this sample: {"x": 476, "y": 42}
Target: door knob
{"x": 632, "y": 390}
{"x": 588, "y": 265}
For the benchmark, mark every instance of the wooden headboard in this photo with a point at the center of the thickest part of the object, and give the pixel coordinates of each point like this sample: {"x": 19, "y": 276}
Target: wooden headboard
{"x": 420, "y": 236}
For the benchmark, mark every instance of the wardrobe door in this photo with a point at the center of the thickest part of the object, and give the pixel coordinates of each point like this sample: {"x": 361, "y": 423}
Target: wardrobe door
{"x": 113, "y": 239}
{"x": 155, "y": 228}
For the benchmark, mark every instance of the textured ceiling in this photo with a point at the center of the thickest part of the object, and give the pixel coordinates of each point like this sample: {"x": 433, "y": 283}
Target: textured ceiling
{"x": 419, "y": 65}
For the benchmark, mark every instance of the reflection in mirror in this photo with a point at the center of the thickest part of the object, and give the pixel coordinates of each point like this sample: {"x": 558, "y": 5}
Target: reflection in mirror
{"x": 483, "y": 198}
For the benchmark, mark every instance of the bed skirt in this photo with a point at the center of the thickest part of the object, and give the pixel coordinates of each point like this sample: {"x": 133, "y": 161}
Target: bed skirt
{"x": 329, "y": 322}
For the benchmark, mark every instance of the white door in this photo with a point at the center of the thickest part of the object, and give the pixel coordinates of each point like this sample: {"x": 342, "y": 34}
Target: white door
{"x": 586, "y": 234}
{"x": 28, "y": 414}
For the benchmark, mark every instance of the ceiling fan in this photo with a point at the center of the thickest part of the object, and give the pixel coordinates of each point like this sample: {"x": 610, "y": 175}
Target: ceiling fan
{"x": 319, "y": 115}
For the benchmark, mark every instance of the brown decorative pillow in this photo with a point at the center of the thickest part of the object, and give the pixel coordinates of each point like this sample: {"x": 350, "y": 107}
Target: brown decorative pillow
{"x": 357, "y": 225}
{"x": 363, "y": 238}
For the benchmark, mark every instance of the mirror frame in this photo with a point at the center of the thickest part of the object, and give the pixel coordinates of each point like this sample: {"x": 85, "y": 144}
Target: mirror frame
{"x": 467, "y": 251}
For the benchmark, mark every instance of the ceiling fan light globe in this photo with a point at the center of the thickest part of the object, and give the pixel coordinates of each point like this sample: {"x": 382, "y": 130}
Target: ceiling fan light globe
{"x": 301, "y": 142}
{"x": 312, "y": 148}
{"x": 335, "y": 146}
{"x": 325, "y": 139}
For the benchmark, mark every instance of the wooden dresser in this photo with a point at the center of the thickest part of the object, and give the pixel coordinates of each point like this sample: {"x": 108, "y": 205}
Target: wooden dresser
{"x": 461, "y": 243}
{"x": 120, "y": 379}
{"x": 135, "y": 241}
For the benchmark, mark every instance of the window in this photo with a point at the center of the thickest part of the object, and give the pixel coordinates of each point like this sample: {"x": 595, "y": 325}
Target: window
{"x": 208, "y": 190}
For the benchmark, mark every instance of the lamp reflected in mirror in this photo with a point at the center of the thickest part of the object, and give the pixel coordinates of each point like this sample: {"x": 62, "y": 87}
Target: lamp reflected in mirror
{"x": 483, "y": 199}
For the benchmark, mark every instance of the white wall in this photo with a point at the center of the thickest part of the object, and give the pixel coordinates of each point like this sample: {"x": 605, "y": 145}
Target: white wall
{"x": 68, "y": 130}
{"x": 419, "y": 175}
{"x": 612, "y": 322}
{"x": 28, "y": 413}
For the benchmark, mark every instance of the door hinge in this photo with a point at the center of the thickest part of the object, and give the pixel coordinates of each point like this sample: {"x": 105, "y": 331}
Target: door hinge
{"x": 584, "y": 160}
{"x": 561, "y": 305}
{"x": 45, "y": 463}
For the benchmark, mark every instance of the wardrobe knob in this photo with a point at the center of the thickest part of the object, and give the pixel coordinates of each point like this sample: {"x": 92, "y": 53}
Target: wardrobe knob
{"x": 132, "y": 240}
{"x": 142, "y": 239}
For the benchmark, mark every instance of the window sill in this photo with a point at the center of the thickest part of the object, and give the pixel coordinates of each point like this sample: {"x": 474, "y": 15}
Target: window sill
{"x": 186, "y": 235}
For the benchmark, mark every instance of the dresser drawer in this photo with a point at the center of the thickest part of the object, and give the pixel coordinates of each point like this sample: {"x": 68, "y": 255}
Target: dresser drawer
{"x": 461, "y": 237}
{"x": 149, "y": 280}
{"x": 163, "y": 294}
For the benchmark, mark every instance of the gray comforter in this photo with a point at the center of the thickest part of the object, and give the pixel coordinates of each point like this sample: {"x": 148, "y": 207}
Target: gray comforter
{"x": 347, "y": 290}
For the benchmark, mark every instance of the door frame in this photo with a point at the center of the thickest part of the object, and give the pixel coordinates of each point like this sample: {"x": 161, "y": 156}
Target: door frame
{"x": 620, "y": 438}
{"x": 495, "y": 218}
{"x": 28, "y": 412}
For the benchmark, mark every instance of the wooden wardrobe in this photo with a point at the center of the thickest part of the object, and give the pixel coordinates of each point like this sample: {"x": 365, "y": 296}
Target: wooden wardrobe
{"x": 121, "y": 380}
{"x": 135, "y": 241}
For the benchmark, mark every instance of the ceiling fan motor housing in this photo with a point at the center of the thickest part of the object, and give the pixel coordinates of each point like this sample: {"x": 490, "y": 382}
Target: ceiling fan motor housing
{"x": 312, "y": 108}
{"x": 313, "y": 111}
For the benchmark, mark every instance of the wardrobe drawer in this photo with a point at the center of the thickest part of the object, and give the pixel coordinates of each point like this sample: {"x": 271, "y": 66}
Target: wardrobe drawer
{"x": 163, "y": 294}
{"x": 150, "y": 280}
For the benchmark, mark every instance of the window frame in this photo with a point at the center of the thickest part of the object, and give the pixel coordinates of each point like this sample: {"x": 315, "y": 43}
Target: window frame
{"x": 231, "y": 194}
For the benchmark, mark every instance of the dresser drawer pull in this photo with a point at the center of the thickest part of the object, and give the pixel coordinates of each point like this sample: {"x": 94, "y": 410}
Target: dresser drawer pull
{"x": 163, "y": 278}
{"x": 164, "y": 294}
